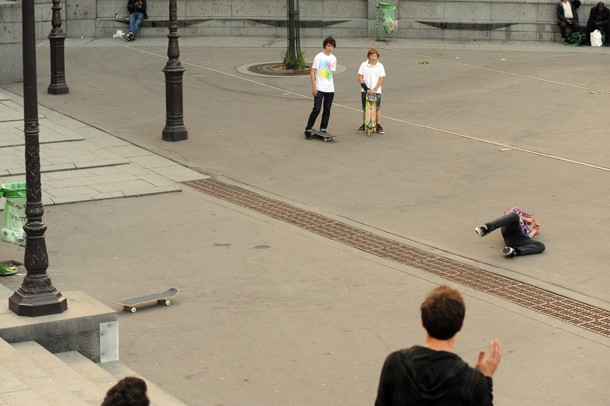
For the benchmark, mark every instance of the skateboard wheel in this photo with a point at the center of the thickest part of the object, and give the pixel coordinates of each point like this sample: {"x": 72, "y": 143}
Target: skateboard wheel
{"x": 167, "y": 303}
{"x": 132, "y": 309}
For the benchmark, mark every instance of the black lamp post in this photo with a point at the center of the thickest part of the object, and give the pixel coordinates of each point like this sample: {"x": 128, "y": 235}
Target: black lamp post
{"x": 174, "y": 118}
{"x": 57, "y": 38}
{"x": 37, "y": 296}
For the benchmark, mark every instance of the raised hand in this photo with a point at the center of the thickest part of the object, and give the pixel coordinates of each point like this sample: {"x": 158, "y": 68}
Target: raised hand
{"x": 490, "y": 364}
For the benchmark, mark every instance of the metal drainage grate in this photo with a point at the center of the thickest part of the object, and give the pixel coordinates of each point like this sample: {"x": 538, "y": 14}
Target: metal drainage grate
{"x": 277, "y": 69}
{"x": 542, "y": 301}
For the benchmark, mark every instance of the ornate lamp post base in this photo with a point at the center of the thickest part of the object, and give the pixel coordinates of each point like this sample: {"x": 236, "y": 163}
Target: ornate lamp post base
{"x": 174, "y": 118}
{"x": 39, "y": 304}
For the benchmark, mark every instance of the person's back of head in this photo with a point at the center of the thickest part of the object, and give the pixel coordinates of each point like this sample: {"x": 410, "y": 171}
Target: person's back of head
{"x": 129, "y": 391}
{"x": 442, "y": 312}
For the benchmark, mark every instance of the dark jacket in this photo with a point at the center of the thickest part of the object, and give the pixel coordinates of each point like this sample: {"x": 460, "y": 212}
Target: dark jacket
{"x": 421, "y": 376}
{"x": 137, "y": 6}
{"x": 560, "y": 12}
{"x": 604, "y": 15}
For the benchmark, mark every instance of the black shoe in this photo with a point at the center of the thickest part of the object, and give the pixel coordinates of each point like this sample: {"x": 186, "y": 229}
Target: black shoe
{"x": 361, "y": 129}
{"x": 308, "y": 135}
{"x": 482, "y": 231}
{"x": 380, "y": 129}
{"x": 132, "y": 37}
{"x": 127, "y": 36}
{"x": 323, "y": 130}
{"x": 509, "y": 252}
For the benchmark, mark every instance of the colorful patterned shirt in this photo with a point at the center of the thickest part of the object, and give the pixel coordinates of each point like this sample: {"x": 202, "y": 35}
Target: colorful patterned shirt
{"x": 521, "y": 213}
{"x": 325, "y": 65}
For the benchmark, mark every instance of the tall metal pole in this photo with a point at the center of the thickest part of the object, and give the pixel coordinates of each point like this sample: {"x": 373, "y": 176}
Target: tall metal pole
{"x": 37, "y": 296}
{"x": 291, "y": 36}
{"x": 174, "y": 117}
{"x": 57, "y": 38}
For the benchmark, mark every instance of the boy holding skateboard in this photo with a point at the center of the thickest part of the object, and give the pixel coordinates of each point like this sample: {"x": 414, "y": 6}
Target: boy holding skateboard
{"x": 321, "y": 74}
{"x": 371, "y": 75}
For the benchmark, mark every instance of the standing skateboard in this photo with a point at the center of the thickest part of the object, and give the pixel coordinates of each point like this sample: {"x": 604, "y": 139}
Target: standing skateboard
{"x": 370, "y": 123}
{"x": 161, "y": 298}
{"x": 320, "y": 134}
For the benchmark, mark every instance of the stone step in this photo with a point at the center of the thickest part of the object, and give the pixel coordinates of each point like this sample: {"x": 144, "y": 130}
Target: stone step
{"x": 155, "y": 393}
{"x": 86, "y": 390}
{"x": 40, "y": 388}
{"x": 108, "y": 374}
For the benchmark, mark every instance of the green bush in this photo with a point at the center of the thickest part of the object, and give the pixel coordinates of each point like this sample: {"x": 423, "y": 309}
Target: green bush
{"x": 294, "y": 62}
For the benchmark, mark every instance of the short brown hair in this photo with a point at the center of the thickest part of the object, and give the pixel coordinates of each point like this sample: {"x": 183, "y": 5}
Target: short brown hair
{"x": 373, "y": 51}
{"x": 442, "y": 313}
{"x": 329, "y": 40}
{"x": 129, "y": 391}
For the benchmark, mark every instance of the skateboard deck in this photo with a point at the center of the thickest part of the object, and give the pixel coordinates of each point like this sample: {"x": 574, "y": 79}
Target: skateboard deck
{"x": 370, "y": 123}
{"x": 324, "y": 136}
{"x": 161, "y": 298}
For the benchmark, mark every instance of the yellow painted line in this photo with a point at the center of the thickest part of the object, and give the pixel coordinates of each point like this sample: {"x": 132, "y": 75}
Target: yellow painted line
{"x": 529, "y": 151}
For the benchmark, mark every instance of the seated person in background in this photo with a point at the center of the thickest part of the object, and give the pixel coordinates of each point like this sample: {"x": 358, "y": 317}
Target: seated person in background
{"x": 599, "y": 19}
{"x": 137, "y": 8}
{"x": 567, "y": 16}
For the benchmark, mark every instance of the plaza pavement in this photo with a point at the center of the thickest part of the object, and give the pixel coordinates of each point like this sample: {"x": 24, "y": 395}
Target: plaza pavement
{"x": 271, "y": 314}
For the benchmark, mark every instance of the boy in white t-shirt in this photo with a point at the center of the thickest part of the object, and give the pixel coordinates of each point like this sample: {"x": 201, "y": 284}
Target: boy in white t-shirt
{"x": 371, "y": 75}
{"x": 324, "y": 64}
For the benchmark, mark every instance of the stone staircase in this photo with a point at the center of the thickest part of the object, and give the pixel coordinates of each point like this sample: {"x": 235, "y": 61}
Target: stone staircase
{"x": 30, "y": 375}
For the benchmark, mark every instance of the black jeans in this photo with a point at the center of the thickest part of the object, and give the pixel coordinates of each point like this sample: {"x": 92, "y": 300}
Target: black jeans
{"x": 605, "y": 29}
{"x": 317, "y": 105}
{"x": 563, "y": 25}
{"x": 513, "y": 235}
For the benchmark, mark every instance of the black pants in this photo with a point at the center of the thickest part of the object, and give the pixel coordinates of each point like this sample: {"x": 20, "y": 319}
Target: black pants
{"x": 513, "y": 235}
{"x": 604, "y": 29}
{"x": 575, "y": 26}
{"x": 317, "y": 105}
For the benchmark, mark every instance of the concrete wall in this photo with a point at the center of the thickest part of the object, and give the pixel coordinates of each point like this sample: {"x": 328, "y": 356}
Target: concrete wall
{"x": 522, "y": 20}
{"x": 11, "y": 62}
{"x": 11, "y": 50}
{"x": 528, "y": 20}
{"x": 515, "y": 20}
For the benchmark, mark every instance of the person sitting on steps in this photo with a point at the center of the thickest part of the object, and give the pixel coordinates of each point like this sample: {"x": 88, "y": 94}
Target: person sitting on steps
{"x": 137, "y": 8}
{"x": 568, "y": 17}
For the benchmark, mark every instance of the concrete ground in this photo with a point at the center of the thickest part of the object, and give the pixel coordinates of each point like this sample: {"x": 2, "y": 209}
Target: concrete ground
{"x": 272, "y": 314}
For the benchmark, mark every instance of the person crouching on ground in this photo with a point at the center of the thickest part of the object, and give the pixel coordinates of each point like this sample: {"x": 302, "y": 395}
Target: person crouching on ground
{"x": 433, "y": 374}
{"x": 371, "y": 75}
{"x": 137, "y": 8}
{"x": 516, "y": 233}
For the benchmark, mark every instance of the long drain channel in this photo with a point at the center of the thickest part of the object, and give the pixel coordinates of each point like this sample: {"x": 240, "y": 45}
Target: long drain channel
{"x": 542, "y": 301}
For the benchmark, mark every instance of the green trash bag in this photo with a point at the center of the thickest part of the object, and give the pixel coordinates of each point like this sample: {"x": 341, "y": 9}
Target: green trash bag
{"x": 14, "y": 217}
{"x": 389, "y": 21}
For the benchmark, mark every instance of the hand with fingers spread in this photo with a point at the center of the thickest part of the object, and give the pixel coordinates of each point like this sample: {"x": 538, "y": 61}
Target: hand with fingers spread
{"x": 489, "y": 365}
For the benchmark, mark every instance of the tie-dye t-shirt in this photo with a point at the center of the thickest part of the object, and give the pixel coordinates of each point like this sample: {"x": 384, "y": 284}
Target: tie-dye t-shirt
{"x": 524, "y": 227}
{"x": 325, "y": 66}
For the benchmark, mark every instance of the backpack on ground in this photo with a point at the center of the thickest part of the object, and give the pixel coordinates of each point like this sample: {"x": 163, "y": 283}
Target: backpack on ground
{"x": 575, "y": 39}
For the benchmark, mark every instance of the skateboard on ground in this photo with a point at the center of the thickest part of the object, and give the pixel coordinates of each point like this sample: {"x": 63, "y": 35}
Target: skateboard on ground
{"x": 161, "y": 298}
{"x": 324, "y": 136}
{"x": 370, "y": 121}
